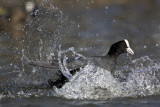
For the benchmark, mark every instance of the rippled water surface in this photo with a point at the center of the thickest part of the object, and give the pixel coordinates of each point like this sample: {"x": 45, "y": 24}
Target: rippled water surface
{"x": 83, "y": 29}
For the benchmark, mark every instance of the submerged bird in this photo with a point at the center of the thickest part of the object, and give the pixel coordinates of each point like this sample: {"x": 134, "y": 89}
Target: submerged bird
{"x": 107, "y": 62}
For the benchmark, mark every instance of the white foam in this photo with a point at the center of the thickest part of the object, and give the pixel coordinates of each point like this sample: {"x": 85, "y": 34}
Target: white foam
{"x": 96, "y": 83}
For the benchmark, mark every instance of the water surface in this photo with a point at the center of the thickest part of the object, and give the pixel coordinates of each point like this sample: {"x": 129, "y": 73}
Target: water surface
{"x": 91, "y": 31}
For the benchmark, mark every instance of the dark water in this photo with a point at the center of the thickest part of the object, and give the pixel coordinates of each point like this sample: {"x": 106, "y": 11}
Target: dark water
{"x": 91, "y": 31}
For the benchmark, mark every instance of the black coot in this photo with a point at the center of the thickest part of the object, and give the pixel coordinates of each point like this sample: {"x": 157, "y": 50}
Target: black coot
{"x": 107, "y": 62}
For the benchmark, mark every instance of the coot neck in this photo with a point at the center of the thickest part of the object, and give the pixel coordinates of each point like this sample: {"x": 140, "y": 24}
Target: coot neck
{"x": 113, "y": 55}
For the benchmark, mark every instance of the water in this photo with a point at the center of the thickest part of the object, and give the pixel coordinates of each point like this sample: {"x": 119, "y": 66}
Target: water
{"x": 96, "y": 83}
{"x": 83, "y": 30}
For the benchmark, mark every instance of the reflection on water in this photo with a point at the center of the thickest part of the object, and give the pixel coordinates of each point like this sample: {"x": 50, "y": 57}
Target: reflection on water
{"x": 90, "y": 27}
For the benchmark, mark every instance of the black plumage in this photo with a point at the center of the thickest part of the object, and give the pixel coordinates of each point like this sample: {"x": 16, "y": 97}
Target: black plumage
{"x": 107, "y": 62}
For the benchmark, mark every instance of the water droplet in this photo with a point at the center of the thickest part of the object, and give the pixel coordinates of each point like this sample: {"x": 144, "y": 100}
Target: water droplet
{"x": 29, "y": 6}
{"x": 106, "y": 7}
{"x": 39, "y": 29}
{"x": 33, "y": 70}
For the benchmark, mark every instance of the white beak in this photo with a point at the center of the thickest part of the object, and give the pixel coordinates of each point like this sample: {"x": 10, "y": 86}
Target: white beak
{"x": 129, "y": 50}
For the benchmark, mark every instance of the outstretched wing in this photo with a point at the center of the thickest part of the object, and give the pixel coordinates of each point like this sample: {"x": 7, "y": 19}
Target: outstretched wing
{"x": 44, "y": 64}
{"x": 70, "y": 63}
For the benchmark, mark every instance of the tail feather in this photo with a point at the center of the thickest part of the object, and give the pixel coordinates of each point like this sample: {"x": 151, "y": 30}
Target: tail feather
{"x": 44, "y": 64}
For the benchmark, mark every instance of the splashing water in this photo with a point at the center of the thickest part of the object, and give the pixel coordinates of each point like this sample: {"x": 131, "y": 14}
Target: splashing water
{"x": 63, "y": 64}
{"x": 92, "y": 82}
{"x": 96, "y": 83}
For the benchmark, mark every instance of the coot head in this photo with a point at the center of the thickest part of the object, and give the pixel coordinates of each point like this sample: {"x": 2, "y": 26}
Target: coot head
{"x": 119, "y": 48}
